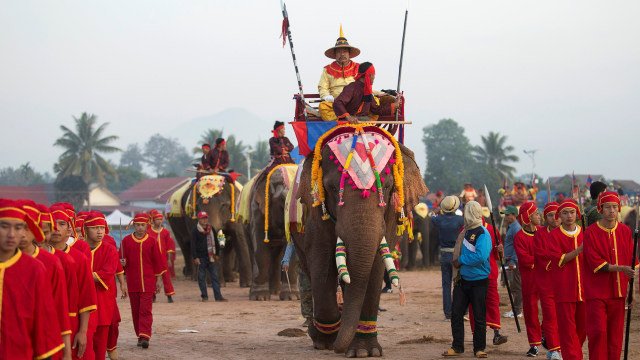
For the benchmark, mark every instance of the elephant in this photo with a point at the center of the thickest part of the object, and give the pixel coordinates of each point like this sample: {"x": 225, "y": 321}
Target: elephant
{"x": 267, "y": 251}
{"x": 235, "y": 253}
{"x": 361, "y": 223}
{"x": 428, "y": 247}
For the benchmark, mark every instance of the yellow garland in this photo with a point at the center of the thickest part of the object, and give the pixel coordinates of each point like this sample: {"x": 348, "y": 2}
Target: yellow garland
{"x": 233, "y": 203}
{"x": 266, "y": 201}
{"x": 316, "y": 170}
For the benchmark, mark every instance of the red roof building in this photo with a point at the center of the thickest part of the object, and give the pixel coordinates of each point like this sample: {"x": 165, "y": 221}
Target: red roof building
{"x": 152, "y": 193}
{"x": 41, "y": 194}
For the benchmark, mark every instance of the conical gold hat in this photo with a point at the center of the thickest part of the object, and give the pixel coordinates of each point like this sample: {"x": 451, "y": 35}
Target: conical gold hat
{"x": 342, "y": 43}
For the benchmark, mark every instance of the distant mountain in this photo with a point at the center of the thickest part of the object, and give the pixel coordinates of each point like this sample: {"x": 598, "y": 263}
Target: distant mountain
{"x": 246, "y": 127}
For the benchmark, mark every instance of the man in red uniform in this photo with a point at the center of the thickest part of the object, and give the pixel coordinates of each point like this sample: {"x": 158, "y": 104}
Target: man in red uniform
{"x": 47, "y": 224}
{"x": 85, "y": 298}
{"x": 28, "y": 322}
{"x": 104, "y": 264}
{"x": 114, "y": 327}
{"x": 72, "y": 239}
{"x": 144, "y": 268}
{"x": 529, "y": 218}
{"x": 565, "y": 249}
{"x": 493, "y": 298}
{"x": 544, "y": 279}
{"x": 54, "y": 273}
{"x": 166, "y": 246}
{"x": 608, "y": 249}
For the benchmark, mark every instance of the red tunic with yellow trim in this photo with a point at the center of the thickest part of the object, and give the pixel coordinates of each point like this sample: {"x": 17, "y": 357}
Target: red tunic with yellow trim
{"x": 57, "y": 281}
{"x": 119, "y": 270}
{"x": 166, "y": 244}
{"x": 542, "y": 259}
{"x": 606, "y": 246}
{"x": 71, "y": 280}
{"x": 523, "y": 245}
{"x": 28, "y": 324}
{"x": 87, "y": 299}
{"x": 104, "y": 263}
{"x": 568, "y": 279}
{"x": 82, "y": 246}
{"x": 143, "y": 263}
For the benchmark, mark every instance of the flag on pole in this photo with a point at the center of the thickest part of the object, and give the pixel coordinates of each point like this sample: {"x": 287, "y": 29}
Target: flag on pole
{"x": 575, "y": 182}
{"x": 533, "y": 181}
{"x": 589, "y": 181}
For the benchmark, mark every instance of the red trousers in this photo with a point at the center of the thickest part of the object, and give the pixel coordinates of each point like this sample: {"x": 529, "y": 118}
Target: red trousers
{"x": 100, "y": 341}
{"x": 114, "y": 331}
{"x": 493, "y": 307}
{"x": 605, "y": 328}
{"x": 530, "y": 300}
{"x": 572, "y": 322}
{"x": 141, "y": 303}
{"x": 549, "y": 322}
{"x": 168, "y": 286}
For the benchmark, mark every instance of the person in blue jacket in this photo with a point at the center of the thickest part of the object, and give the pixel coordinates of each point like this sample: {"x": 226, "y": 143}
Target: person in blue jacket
{"x": 471, "y": 287}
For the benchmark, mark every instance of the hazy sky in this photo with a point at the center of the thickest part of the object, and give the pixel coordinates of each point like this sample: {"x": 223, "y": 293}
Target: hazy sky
{"x": 558, "y": 76}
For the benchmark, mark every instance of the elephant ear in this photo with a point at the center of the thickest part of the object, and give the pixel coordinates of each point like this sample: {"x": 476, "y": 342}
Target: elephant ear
{"x": 304, "y": 188}
{"x": 414, "y": 186}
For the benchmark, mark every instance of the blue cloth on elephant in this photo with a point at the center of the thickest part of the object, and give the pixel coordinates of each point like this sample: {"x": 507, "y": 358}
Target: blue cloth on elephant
{"x": 474, "y": 255}
{"x": 449, "y": 225}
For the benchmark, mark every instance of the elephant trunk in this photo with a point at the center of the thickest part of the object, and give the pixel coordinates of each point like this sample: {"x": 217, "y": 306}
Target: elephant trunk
{"x": 360, "y": 256}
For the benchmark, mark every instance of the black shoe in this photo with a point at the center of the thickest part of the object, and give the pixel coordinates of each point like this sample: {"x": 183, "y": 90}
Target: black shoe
{"x": 139, "y": 341}
{"x": 533, "y": 351}
{"x": 222, "y": 300}
{"x": 204, "y": 299}
{"x": 154, "y": 298}
{"x": 169, "y": 299}
{"x": 499, "y": 339}
{"x": 145, "y": 343}
{"x": 544, "y": 342}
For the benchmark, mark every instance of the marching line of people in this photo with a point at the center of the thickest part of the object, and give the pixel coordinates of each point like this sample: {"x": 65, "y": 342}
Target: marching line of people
{"x": 58, "y": 274}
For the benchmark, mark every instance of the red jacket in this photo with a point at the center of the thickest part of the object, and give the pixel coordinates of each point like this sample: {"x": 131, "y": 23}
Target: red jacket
{"x": 143, "y": 263}
{"x": 166, "y": 244}
{"x": 87, "y": 300}
{"x": 56, "y": 278}
{"x": 568, "y": 284}
{"x": 542, "y": 259}
{"x": 71, "y": 280}
{"x": 82, "y": 246}
{"x": 603, "y": 246}
{"x": 28, "y": 325}
{"x": 104, "y": 262}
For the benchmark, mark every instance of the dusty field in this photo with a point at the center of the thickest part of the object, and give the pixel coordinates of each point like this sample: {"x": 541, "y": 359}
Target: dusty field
{"x": 243, "y": 329}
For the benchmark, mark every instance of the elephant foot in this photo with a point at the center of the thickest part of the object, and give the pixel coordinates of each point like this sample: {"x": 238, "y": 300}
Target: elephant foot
{"x": 364, "y": 347}
{"x": 259, "y": 293}
{"x": 290, "y": 295}
{"x": 320, "y": 340}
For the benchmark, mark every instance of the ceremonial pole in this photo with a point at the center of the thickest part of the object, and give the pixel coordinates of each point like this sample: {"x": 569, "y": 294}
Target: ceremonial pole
{"x": 404, "y": 33}
{"x": 504, "y": 270}
{"x": 287, "y": 29}
{"x": 631, "y": 281}
{"x": 548, "y": 191}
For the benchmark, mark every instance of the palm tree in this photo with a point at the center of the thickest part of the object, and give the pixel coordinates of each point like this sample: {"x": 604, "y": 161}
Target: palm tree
{"x": 236, "y": 149}
{"x": 494, "y": 153}
{"x": 82, "y": 151}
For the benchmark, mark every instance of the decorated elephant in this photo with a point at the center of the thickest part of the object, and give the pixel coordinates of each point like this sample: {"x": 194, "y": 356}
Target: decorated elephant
{"x": 358, "y": 186}
{"x": 262, "y": 210}
{"x": 217, "y": 197}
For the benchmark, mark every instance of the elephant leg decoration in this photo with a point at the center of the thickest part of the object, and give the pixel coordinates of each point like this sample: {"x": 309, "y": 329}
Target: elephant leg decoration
{"x": 348, "y": 232}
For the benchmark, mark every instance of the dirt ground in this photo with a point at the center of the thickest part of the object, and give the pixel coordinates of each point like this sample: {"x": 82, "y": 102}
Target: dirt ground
{"x": 243, "y": 329}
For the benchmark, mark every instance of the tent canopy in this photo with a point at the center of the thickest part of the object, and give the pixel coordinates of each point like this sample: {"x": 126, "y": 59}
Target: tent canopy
{"x": 116, "y": 218}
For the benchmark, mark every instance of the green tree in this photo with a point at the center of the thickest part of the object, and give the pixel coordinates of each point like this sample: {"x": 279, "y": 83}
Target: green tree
{"x": 72, "y": 189}
{"x": 449, "y": 157}
{"x": 132, "y": 157}
{"x": 495, "y": 153}
{"x": 166, "y": 156}
{"x": 83, "y": 148}
{"x": 260, "y": 156}
{"x": 23, "y": 175}
{"x": 127, "y": 177}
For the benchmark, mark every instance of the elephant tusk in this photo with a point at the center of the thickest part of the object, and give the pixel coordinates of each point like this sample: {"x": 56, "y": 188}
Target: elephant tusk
{"x": 341, "y": 261}
{"x": 222, "y": 240}
{"x": 387, "y": 259}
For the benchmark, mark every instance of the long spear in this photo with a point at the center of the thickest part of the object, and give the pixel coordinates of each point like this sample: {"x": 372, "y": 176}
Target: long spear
{"x": 548, "y": 191}
{"x": 504, "y": 270}
{"x": 631, "y": 281}
{"x": 404, "y": 33}
{"x": 287, "y": 29}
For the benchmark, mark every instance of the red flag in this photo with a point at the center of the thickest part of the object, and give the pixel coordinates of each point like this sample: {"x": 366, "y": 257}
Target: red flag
{"x": 283, "y": 35}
